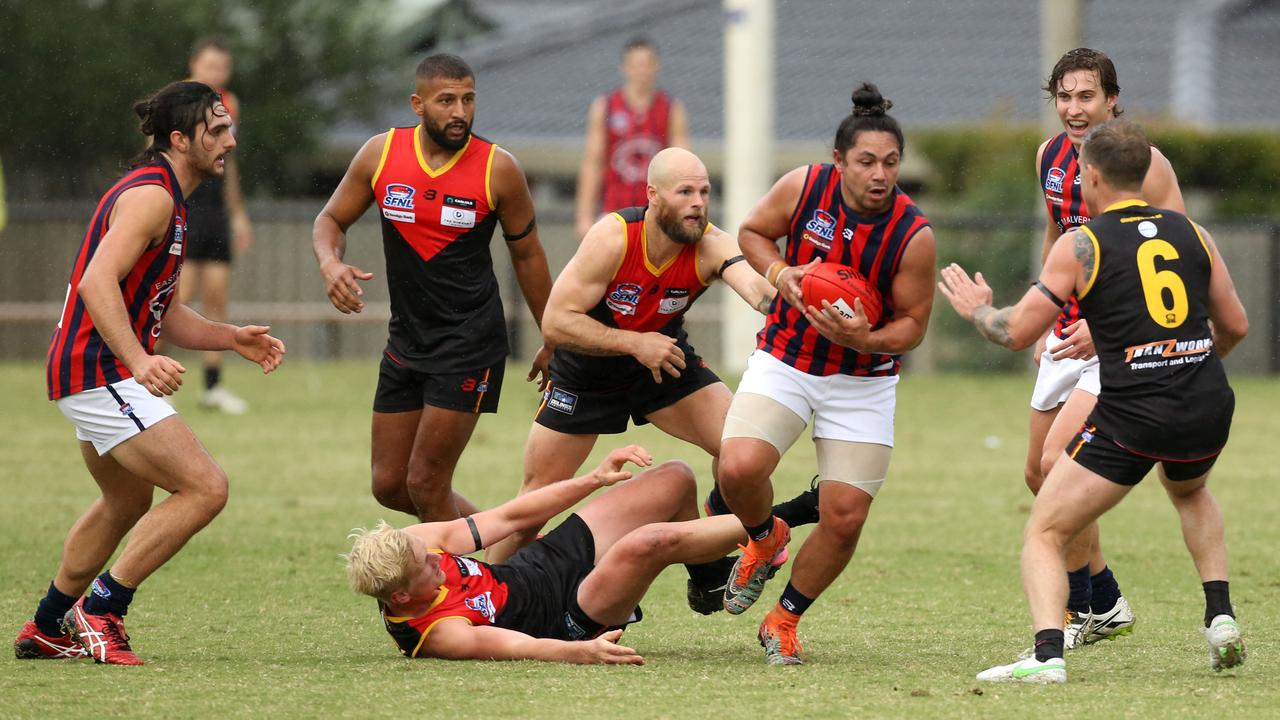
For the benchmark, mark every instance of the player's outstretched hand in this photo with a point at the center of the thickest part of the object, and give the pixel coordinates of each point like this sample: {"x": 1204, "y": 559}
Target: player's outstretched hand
{"x": 605, "y": 650}
{"x": 538, "y": 370}
{"x": 255, "y": 345}
{"x": 341, "y": 286}
{"x": 159, "y": 374}
{"x": 788, "y": 282}
{"x": 964, "y": 294}
{"x": 850, "y": 332}
{"x": 610, "y": 469}
{"x": 660, "y": 354}
{"x": 1078, "y": 343}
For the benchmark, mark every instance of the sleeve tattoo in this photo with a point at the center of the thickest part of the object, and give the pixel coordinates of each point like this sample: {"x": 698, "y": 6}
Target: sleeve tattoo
{"x": 993, "y": 324}
{"x": 1084, "y": 252}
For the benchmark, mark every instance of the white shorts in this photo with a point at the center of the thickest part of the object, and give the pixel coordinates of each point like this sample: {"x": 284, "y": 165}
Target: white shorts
{"x": 843, "y": 407}
{"x": 1057, "y": 378}
{"x": 107, "y": 416}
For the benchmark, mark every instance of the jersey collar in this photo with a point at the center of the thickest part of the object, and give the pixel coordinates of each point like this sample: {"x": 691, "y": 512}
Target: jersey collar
{"x": 1131, "y": 202}
{"x": 422, "y": 159}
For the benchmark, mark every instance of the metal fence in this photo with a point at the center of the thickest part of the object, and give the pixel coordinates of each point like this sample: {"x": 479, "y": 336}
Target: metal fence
{"x": 278, "y": 283}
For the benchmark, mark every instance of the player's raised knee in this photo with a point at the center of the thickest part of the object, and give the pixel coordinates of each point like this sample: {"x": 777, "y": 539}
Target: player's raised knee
{"x": 652, "y": 541}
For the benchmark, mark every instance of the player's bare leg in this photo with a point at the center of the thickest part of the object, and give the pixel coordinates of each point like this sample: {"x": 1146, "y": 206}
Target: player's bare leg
{"x": 442, "y": 436}
{"x": 394, "y": 437}
{"x": 549, "y": 456}
{"x": 745, "y": 466}
{"x": 1038, "y": 430}
{"x": 842, "y": 512}
{"x": 698, "y": 419}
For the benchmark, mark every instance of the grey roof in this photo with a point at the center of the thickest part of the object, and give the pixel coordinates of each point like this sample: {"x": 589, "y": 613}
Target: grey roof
{"x": 942, "y": 63}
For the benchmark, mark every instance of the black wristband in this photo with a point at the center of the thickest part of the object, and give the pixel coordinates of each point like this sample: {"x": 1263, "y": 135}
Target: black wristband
{"x": 475, "y": 534}
{"x": 1048, "y": 293}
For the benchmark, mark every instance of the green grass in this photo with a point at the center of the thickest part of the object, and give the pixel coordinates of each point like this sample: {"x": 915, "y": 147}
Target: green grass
{"x": 253, "y": 618}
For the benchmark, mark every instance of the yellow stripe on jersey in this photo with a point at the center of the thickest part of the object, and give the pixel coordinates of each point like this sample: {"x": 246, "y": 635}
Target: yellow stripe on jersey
{"x": 422, "y": 159}
{"x": 386, "y": 150}
{"x": 488, "y": 172}
{"x": 623, "y": 257}
{"x": 1097, "y": 260}
{"x": 1131, "y": 202}
{"x": 1203, "y": 244}
{"x": 423, "y": 639}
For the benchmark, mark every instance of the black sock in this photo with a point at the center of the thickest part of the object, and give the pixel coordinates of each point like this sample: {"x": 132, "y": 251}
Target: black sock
{"x": 1049, "y": 644}
{"x": 212, "y": 376}
{"x": 715, "y": 502}
{"x": 51, "y": 609}
{"x": 793, "y": 601}
{"x": 1080, "y": 590}
{"x": 711, "y": 574}
{"x": 107, "y": 595}
{"x": 761, "y": 531}
{"x": 799, "y": 510}
{"x": 1106, "y": 591}
{"x": 1217, "y": 600}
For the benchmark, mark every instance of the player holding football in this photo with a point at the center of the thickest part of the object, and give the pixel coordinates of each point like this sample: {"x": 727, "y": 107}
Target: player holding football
{"x": 565, "y": 597}
{"x": 812, "y": 362}
{"x": 1085, "y": 91}
{"x": 1163, "y": 312}
{"x": 105, "y": 377}
{"x": 616, "y": 320}
{"x": 441, "y": 191}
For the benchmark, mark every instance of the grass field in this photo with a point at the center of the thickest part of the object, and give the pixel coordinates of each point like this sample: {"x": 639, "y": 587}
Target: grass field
{"x": 253, "y": 618}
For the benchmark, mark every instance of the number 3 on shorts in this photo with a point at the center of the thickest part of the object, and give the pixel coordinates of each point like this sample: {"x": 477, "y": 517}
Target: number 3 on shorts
{"x": 1156, "y": 282}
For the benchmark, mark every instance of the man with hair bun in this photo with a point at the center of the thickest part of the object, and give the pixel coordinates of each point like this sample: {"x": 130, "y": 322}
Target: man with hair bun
{"x": 1163, "y": 312}
{"x": 811, "y": 362}
{"x": 441, "y": 191}
{"x": 105, "y": 378}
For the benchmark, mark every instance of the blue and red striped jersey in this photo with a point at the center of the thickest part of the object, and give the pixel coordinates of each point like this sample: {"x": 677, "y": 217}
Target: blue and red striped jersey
{"x": 79, "y": 358}
{"x": 822, "y": 226}
{"x": 1060, "y": 178}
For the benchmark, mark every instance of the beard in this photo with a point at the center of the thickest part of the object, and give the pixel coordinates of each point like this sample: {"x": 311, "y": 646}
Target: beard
{"x": 672, "y": 223}
{"x": 439, "y": 135}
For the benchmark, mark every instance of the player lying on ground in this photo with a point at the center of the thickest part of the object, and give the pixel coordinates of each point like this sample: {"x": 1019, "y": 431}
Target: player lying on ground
{"x": 1163, "y": 311}
{"x": 567, "y": 596}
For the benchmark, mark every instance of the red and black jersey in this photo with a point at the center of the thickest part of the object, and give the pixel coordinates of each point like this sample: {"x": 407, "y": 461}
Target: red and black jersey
{"x": 470, "y": 592}
{"x": 1060, "y": 178}
{"x": 639, "y": 297}
{"x": 822, "y": 226}
{"x": 1164, "y": 390}
{"x": 79, "y": 358}
{"x": 446, "y": 313}
{"x": 632, "y": 138}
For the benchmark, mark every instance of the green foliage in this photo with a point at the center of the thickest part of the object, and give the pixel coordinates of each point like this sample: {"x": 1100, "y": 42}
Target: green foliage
{"x": 991, "y": 169}
{"x": 70, "y": 75}
{"x": 253, "y": 617}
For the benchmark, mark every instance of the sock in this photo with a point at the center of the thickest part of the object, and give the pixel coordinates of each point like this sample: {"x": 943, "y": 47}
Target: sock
{"x": 1106, "y": 591}
{"x": 761, "y": 531}
{"x": 793, "y": 601}
{"x": 107, "y": 595}
{"x": 711, "y": 574}
{"x": 212, "y": 376}
{"x": 1049, "y": 644}
{"x": 51, "y": 609}
{"x": 799, "y": 510}
{"x": 1217, "y": 600}
{"x": 715, "y": 502}
{"x": 1080, "y": 590}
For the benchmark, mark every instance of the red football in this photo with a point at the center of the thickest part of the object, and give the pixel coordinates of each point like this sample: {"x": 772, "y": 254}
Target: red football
{"x": 839, "y": 285}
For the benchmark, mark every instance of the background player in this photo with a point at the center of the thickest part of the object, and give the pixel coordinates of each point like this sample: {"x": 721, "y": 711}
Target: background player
{"x": 1085, "y": 91}
{"x": 616, "y": 320}
{"x": 625, "y": 129}
{"x": 586, "y": 576}
{"x": 813, "y": 362}
{"x": 218, "y": 227}
{"x": 441, "y": 191}
{"x": 105, "y": 379}
{"x": 1163, "y": 311}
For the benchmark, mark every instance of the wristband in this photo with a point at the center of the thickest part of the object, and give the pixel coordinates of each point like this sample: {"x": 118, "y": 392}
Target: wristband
{"x": 780, "y": 266}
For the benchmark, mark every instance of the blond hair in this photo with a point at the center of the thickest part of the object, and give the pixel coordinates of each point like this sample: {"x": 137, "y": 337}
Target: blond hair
{"x": 379, "y": 561}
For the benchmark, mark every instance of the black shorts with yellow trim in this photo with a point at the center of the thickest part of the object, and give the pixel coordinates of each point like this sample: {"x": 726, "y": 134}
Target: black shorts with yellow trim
{"x": 403, "y": 389}
{"x": 542, "y": 585}
{"x": 1102, "y": 455}
{"x": 572, "y": 408}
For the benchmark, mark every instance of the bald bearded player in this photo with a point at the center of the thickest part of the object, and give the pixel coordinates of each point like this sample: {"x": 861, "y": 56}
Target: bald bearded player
{"x": 615, "y": 317}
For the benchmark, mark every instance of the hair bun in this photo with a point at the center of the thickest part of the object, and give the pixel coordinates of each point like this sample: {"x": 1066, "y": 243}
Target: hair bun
{"x": 867, "y": 101}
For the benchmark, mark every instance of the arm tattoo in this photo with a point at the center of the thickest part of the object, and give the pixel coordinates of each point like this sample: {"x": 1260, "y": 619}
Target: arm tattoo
{"x": 762, "y": 306}
{"x": 1084, "y": 253}
{"x": 993, "y": 324}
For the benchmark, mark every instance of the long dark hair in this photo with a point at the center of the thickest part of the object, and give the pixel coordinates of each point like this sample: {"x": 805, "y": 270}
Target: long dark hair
{"x": 870, "y": 113}
{"x": 180, "y": 106}
{"x": 1086, "y": 59}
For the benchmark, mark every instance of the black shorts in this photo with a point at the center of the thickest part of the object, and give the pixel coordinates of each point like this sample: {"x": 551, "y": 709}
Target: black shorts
{"x": 542, "y": 581}
{"x": 1102, "y": 455}
{"x": 208, "y": 236}
{"x": 569, "y": 407}
{"x": 403, "y": 389}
